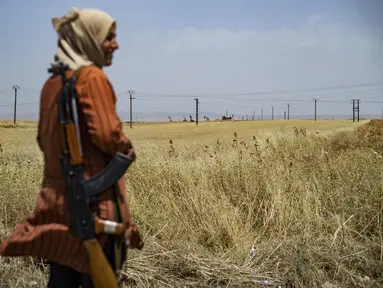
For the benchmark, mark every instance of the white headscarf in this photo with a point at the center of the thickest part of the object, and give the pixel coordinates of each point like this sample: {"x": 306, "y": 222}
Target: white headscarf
{"x": 81, "y": 34}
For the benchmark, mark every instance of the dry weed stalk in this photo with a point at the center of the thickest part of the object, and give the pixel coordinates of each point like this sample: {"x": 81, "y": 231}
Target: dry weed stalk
{"x": 310, "y": 202}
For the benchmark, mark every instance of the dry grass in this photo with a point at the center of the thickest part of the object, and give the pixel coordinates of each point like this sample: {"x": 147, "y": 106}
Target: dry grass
{"x": 307, "y": 196}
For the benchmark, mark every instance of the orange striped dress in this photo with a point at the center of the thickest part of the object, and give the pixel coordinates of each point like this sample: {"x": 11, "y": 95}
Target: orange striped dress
{"x": 45, "y": 233}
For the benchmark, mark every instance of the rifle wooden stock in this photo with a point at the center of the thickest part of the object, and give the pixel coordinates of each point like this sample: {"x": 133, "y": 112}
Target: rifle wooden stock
{"x": 75, "y": 157}
{"x": 100, "y": 270}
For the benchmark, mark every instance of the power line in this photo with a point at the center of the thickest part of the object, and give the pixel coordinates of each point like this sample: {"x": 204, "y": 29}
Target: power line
{"x": 343, "y": 93}
{"x": 276, "y": 100}
{"x": 241, "y": 102}
{"x": 266, "y": 92}
{"x": 332, "y": 95}
{"x": 248, "y": 102}
{"x": 19, "y": 104}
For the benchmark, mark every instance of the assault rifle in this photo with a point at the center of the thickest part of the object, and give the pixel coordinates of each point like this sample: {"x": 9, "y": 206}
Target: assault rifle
{"x": 80, "y": 192}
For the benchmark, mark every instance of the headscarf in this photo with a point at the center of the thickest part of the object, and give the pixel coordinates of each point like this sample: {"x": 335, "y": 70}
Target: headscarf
{"x": 81, "y": 33}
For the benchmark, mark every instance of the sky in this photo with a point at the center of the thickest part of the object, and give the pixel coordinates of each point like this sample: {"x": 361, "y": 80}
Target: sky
{"x": 238, "y": 57}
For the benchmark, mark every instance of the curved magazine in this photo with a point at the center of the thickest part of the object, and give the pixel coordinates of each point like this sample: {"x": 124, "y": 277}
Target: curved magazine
{"x": 109, "y": 176}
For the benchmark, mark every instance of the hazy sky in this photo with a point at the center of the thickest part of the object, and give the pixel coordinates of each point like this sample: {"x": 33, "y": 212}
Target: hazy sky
{"x": 216, "y": 50}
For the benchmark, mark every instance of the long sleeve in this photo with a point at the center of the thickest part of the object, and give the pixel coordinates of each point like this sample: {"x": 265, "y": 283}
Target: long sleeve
{"x": 97, "y": 103}
{"x": 39, "y": 124}
{"x": 38, "y": 137}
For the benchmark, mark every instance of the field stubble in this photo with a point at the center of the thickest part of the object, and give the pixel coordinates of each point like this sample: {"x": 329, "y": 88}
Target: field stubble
{"x": 306, "y": 196}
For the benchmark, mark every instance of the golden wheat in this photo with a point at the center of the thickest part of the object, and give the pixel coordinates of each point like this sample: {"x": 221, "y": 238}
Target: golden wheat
{"x": 307, "y": 196}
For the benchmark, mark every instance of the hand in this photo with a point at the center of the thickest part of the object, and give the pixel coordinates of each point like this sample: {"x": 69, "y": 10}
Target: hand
{"x": 133, "y": 238}
{"x": 131, "y": 152}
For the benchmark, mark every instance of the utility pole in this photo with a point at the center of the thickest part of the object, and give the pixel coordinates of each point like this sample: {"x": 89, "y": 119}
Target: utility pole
{"x": 272, "y": 113}
{"x": 315, "y": 109}
{"x": 262, "y": 114}
{"x": 196, "y": 111}
{"x": 131, "y": 92}
{"x": 358, "y": 108}
{"x": 16, "y": 88}
{"x": 355, "y": 108}
{"x": 288, "y": 111}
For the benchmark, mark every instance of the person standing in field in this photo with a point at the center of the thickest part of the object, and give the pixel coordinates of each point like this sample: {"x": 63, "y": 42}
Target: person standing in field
{"x": 87, "y": 41}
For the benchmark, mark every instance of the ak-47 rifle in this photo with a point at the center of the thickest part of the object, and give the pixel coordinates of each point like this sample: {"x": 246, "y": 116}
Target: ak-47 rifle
{"x": 80, "y": 192}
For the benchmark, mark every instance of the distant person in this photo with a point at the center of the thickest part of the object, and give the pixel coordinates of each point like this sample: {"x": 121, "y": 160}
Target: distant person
{"x": 87, "y": 40}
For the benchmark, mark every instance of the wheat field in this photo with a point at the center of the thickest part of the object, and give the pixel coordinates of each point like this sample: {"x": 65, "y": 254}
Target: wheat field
{"x": 306, "y": 196}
